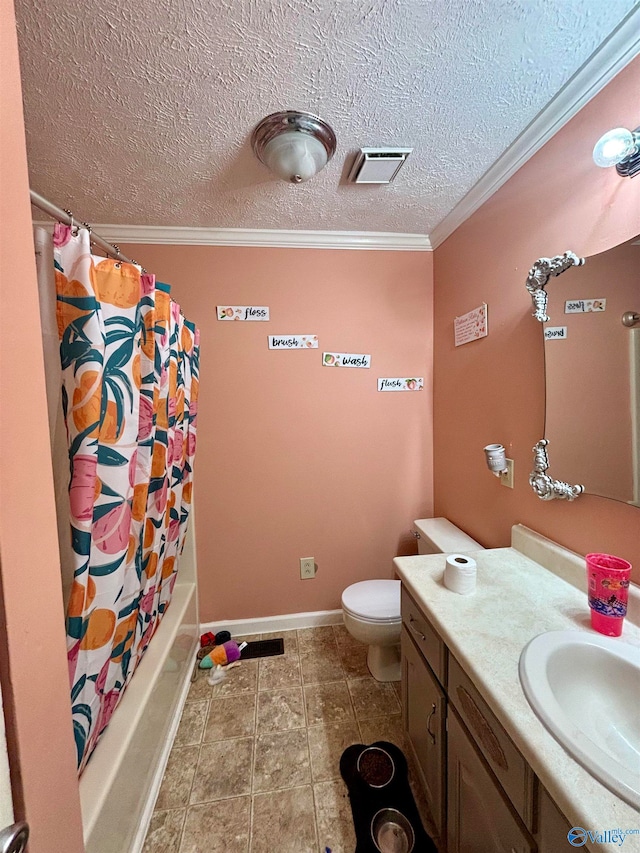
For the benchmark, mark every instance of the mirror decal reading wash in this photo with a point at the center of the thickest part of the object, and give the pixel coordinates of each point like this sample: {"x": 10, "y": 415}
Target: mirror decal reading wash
{"x": 592, "y": 374}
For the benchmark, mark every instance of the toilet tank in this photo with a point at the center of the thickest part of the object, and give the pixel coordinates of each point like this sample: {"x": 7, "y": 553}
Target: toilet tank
{"x": 440, "y": 536}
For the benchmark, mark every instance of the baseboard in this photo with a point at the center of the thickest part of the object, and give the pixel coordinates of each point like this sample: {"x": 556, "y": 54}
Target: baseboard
{"x": 268, "y": 624}
{"x": 154, "y": 789}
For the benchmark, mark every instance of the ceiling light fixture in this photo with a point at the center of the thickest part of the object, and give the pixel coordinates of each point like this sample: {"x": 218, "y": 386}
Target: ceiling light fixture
{"x": 294, "y": 146}
{"x": 620, "y": 148}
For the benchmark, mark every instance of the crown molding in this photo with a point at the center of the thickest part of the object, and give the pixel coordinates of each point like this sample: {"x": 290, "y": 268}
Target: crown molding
{"x": 154, "y": 234}
{"x": 614, "y": 53}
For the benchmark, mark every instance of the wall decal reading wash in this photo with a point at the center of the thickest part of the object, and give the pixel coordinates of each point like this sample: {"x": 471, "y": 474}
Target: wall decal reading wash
{"x": 293, "y": 342}
{"x": 398, "y": 384}
{"x": 243, "y": 312}
{"x": 345, "y": 359}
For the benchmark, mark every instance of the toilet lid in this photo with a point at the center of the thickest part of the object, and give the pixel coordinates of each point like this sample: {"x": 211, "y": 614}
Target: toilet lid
{"x": 375, "y": 601}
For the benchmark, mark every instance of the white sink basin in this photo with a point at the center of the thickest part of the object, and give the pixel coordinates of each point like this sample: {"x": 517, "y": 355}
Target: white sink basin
{"x": 585, "y": 688}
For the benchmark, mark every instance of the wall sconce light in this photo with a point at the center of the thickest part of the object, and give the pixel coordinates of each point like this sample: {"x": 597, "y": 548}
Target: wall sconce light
{"x": 294, "y": 146}
{"x": 620, "y": 148}
{"x": 496, "y": 458}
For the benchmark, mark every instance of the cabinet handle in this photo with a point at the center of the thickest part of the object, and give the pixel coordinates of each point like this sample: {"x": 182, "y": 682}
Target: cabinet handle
{"x": 415, "y": 630}
{"x": 429, "y": 732}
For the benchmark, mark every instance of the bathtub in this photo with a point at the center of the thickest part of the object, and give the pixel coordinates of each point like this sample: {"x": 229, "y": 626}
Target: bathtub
{"x": 120, "y": 784}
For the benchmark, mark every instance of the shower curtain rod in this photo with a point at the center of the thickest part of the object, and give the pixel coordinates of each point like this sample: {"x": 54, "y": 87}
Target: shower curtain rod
{"x": 67, "y": 218}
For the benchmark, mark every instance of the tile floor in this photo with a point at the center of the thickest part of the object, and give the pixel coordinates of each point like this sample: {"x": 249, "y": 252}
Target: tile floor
{"x": 255, "y": 763}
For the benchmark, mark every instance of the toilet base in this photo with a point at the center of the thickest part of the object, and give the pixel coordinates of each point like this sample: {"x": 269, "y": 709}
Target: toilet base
{"x": 384, "y": 662}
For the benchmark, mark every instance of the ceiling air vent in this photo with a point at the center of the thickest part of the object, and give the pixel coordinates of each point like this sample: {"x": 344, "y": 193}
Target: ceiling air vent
{"x": 377, "y": 165}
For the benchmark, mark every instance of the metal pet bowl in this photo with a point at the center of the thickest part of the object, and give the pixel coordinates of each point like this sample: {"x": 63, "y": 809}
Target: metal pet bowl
{"x": 392, "y": 832}
{"x": 375, "y": 767}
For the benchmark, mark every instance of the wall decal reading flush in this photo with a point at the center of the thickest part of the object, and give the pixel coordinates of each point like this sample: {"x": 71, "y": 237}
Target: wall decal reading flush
{"x": 496, "y": 458}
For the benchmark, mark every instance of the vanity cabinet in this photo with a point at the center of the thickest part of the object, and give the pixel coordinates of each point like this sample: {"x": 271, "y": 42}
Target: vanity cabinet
{"x": 424, "y": 709}
{"x": 482, "y": 795}
{"x": 551, "y": 826}
{"x": 479, "y": 816}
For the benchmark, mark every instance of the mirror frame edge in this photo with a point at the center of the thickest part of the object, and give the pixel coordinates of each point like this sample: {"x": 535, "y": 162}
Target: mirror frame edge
{"x": 545, "y": 486}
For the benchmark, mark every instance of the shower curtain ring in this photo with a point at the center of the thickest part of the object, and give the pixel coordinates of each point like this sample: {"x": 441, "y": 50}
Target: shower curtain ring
{"x": 72, "y": 226}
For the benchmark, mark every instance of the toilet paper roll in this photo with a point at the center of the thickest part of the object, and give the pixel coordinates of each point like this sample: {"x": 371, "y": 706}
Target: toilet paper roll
{"x": 460, "y": 574}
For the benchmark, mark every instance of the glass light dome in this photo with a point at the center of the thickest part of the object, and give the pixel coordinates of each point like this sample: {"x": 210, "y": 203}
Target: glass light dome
{"x": 614, "y": 146}
{"x": 295, "y": 156}
{"x": 294, "y": 145}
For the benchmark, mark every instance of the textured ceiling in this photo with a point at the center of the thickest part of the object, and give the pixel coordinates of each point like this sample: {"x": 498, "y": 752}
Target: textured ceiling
{"x": 141, "y": 113}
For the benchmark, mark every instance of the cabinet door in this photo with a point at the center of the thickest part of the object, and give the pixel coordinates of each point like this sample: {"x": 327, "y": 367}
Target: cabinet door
{"x": 552, "y": 826}
{"x": 424, "y": 720}
{"x": 479, "y": 820}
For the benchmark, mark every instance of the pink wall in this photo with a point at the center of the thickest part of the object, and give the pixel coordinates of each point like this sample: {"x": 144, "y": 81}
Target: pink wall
{"x": 295, "y": 459}
{"x": 33, "y": 665}
{"x": 492, "y": 390}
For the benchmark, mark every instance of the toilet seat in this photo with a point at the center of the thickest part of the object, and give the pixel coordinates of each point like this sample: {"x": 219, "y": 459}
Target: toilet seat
{"x": 375, "y": 601}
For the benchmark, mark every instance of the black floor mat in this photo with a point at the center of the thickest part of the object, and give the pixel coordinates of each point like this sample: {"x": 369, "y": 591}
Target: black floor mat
{"x": 262, "y": 649}
{"x": 366, "y": 801}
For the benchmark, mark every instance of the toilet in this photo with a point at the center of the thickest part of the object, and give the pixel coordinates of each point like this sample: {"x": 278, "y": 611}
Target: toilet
{"x": 371, "y": 609}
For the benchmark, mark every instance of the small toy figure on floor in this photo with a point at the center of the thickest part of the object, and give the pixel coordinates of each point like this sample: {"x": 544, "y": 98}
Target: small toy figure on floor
{"x": 222, "y": 655}
{"x": 216, "y": 675}
{"x": 210, "y": 639}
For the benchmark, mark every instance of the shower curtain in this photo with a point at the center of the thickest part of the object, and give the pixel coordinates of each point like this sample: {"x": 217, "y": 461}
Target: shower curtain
{"x": 130, "y": 364}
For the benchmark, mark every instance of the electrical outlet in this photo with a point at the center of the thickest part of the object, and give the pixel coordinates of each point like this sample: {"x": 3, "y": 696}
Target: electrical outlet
{"x": 506, "y": 477}
{"x": 307, "y": 568}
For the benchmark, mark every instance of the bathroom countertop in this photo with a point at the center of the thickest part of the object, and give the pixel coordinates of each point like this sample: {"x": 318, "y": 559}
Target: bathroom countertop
{"x": 515, "y": 600}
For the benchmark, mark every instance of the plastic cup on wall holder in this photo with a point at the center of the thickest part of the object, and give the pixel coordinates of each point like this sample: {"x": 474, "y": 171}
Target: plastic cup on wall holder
{"x": 608, "y": 590}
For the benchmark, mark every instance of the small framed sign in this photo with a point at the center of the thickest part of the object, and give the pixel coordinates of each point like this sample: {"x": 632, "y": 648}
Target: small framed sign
{"x": 398, "y": 384}
{"x": 293, "y": 342}
{"x": 471, "y": 326}
{"x": 255, "y": 313}
{"x": 345, "y": 359}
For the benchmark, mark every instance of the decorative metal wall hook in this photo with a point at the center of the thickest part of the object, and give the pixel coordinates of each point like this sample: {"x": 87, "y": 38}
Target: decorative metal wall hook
{"x": 539, "y": 275}
{"x": 545, "y": 486}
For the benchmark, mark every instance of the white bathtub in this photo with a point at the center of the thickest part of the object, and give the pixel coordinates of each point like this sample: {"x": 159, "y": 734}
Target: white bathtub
{"x": 120, "y": 784}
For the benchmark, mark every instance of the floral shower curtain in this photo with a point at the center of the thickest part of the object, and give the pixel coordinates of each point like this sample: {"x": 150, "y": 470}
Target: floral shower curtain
{"x": 130, "y": 366}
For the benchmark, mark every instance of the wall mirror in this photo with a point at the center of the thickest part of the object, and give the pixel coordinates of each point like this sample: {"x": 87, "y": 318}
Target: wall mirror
{"x": 590, "y": 319}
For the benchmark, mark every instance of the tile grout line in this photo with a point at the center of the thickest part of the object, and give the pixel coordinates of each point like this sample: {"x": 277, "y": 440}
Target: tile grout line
{"x": 182, "y": 828}
{"x": 193, "y": 778}
{"x": 306, "y": 731}
{"x": 253, "y": 760}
